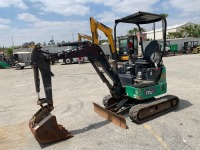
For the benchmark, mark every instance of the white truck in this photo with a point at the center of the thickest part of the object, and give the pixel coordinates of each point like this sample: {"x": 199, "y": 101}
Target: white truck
{"x": 22, "y": 59}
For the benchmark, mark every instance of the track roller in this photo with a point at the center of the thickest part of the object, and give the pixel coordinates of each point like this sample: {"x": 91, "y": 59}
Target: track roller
{"x": 147, "y": 111}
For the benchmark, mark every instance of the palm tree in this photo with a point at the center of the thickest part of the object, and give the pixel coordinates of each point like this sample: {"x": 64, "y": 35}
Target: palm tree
{"x": 187, "y": 30}
{"x": 130, "y": 32}
{"x": 170, "y": 35}
{"x": 173, "y": 35}
{"x": 142, "y": 29}
{"x": 136, "y": 30}
{"x": 196, "y": 31}
{"x": 179, "y": 34}
{"x": 164, "y": 15}
{"x": 191, "y": 30}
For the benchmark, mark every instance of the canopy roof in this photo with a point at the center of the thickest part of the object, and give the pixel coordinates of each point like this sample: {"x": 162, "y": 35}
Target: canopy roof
{"x": 141, "y": 18}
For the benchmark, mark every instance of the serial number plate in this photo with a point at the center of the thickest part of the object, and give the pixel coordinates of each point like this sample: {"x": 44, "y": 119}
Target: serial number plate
{"x": 150, "y": 91}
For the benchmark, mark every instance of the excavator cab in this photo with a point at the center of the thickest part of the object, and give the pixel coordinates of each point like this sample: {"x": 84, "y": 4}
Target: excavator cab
{"x": 128, "y": 47}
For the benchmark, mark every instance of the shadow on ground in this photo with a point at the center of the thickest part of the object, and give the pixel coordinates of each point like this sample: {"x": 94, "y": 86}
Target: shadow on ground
{"x": 79, "y": 131}
{"x": 183, "y": 104}
{"x": 90, "y": 127}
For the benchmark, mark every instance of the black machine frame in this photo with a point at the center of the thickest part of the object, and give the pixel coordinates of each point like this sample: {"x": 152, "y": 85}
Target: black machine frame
{"x": 138, "y": 19}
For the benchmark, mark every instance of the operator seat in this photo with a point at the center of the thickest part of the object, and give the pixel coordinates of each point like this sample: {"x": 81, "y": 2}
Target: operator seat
{"x": 152, "y": 54}
{"x": 128, "y": 74}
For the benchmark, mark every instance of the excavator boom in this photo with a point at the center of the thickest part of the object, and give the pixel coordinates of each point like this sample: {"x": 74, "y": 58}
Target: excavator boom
{"x": 82, "y": 36}
{"x": 43, "y": 124}
{"x": 94, "y": 25}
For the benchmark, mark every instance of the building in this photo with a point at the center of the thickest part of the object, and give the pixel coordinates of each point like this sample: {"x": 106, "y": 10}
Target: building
{"x": 159, "y": 34}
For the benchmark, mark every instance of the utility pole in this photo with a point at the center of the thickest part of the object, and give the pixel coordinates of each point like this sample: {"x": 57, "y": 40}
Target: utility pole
{"x": 154, "y": 30}
{"x": 12, "y": 42}
{"x": 73, "y": 37}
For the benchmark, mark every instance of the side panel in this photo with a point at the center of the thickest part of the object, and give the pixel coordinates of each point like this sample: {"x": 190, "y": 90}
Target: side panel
{"x": 148, "y": 92}
{"x": 4, "y": 65}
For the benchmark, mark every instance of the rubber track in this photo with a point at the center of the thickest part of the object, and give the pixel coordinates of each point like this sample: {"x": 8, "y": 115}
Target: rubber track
{"x": 133, "y": 113}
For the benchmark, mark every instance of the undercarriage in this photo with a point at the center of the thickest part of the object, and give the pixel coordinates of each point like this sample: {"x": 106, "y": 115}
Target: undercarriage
{"x": 138, "y": 111}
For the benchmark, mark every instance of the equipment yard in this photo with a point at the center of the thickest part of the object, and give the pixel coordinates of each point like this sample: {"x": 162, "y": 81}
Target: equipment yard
{"x": 76, "y": 86}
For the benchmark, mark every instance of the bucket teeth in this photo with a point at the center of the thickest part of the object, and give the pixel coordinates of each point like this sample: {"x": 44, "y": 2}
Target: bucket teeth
{"x": 48, "y": 130}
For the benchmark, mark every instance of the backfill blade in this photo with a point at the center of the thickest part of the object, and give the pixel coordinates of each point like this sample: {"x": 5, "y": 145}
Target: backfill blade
{"x": 116, "y": 119}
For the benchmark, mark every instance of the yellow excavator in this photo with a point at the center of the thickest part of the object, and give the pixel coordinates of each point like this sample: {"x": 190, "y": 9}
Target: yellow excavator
{"x": 196, "y": 50}
{"x": 125, "y": 42}
{"x": 83, "y": 36}
{"x": 94, "y": 26}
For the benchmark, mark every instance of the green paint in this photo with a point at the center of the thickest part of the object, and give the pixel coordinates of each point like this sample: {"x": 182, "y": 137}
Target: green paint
{"x": 4, "y": 65}
{"x": 151, "y": 91}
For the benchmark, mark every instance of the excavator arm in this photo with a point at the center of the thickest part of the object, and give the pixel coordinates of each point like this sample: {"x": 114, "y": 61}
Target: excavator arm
{"x": 80, "y": 36}
{"x": 94, "y": 25}
{"x": 44, "y": 125}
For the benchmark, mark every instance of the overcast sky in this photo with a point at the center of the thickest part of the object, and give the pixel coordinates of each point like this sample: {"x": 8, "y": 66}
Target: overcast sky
{"x": 39, "y": 20}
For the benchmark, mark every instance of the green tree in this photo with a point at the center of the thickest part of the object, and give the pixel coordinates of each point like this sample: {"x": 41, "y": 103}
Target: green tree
{"x": 135, "y": 31}
{"x": 130, "y": 32}
{"x": 187, "y": 30}
{"x": 191, "y": 31}
{"x": 164, "y": 15}
{"x": 196, "y": 31}
{"x": 9, "y": 51}
{"x": 173, "y": 35}
{"x": 142, "y": 29}
{"x": 170, "y": 35}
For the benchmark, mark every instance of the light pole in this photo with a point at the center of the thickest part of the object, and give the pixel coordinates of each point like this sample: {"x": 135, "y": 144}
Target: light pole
{"x": 154, "y": 34}
{"x": 73, "y": 37}
{"x": 12, "y": 42}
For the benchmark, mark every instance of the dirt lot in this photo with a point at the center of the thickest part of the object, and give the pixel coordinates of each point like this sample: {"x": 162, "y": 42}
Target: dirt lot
{"x": 75, "y": 87}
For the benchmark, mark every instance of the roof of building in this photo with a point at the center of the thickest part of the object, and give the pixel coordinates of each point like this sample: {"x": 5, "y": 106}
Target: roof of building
{"x": 170, "y": 27}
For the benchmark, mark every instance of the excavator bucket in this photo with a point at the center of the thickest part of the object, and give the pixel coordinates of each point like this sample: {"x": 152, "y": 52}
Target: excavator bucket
{"x": 114, "y": 118}
{"x": 47, "y": 129}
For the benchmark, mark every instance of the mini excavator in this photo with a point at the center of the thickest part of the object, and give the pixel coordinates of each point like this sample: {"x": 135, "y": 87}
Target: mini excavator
{"x": 136, "y": 84}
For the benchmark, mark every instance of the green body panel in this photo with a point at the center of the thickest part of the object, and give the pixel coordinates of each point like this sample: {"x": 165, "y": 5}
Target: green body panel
{"x": 148, "y": 92}
{"x": 4, "y": 65}
{"x": 174, "y": 48}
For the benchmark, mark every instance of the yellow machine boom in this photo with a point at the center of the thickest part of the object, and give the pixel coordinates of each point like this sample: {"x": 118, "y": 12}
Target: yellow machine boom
{"x": 83, "y": 36}
{"x": 94, "y": 25}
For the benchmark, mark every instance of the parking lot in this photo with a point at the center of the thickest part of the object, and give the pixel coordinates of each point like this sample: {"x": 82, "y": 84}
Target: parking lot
{"x": 76, "y": 86}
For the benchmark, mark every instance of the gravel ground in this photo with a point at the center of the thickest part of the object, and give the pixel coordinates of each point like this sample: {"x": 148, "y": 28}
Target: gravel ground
{"x": 75, "y": 87}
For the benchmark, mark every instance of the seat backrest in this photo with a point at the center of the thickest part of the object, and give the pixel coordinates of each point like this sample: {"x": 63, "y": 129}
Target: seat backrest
{"x": 152, "y": 52}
